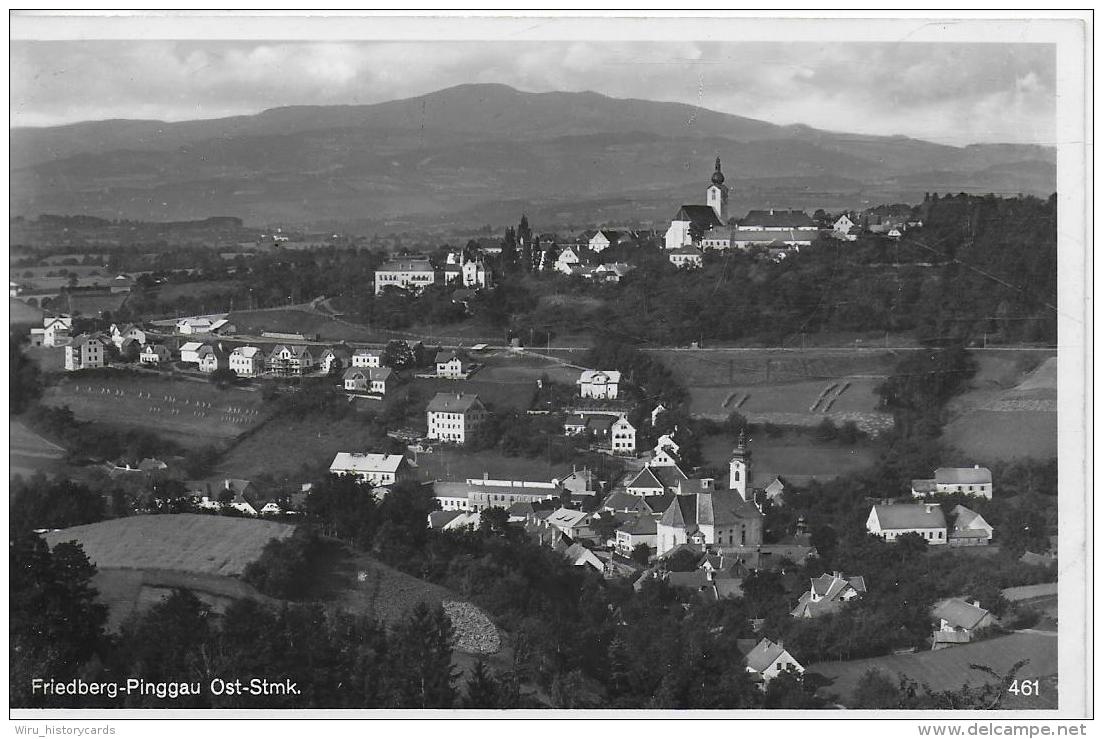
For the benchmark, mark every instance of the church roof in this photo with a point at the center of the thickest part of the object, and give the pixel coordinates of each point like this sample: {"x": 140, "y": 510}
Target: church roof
{"x": 716, "y": 509}
{"x": 777, "y": 219}
{"x": 701, "y": 215}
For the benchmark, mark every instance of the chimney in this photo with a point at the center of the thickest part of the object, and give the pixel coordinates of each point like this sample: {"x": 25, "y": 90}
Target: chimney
{"x": 976, "y": 603}
{"x": 976, "y": 467}
{"x": 930, "y": 506}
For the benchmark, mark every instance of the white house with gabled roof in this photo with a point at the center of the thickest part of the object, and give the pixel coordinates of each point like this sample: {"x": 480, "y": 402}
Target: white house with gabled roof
{"x": 377, "y": 469}
{"x": 893, "y": 521}
{"x": 601, "y": 384}
{"x": 247, "y": 361}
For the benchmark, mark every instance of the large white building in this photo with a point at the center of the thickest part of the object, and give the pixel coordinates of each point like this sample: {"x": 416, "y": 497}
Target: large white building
{"x": 454, "y": 417}
{"x": 412, "y": 273}
{"x": 622, "y": 437}
{"x": 893, "y": 521}
{"x": 55, "y": 331}
{"x": 377, "y": 469}
{"x": 85, "y": 352}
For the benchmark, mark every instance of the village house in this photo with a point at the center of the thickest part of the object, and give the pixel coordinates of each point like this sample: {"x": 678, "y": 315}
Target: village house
{"x": 622, "y": 437}
{"x": 452, "y": 365}
{"x": 607, "y": 237}
{"x": 367, "y": 358}
{"x": 85, "y": 352}
{"x": 575, "y": 524}
{"x": 373, "y": 380}
{"x": 335, "y": 357}
{"x": 579, "y": 482}
{"x": 413, "y": 273}
{"x": 290, "y": 360}
{"x": 665, "y": 453}
{"x": 247, "y": 361}
{"x": 154, "y": 354}
{"x": 579, "y": 556}
{"x": 892, "y": 521}
{"x": 781, "y": 239}
{"x": 652, "y": 481}
{"x": 572, "y": 258}
{"x": 969, "y": 528}
{"x": 642, "y": 529}
{"x": 689, "y": 257}
{"x": 975, "y": 480}
{"x": 767, "y": 659}
{"x": 958, "y": 622}
{"x": 601, "y": 384}
{"x": 828, "y": 593}
{"x": 189, "y": 352}
{"x": 476, "y": 275}
{"x": 212, "y": 358}
{"x": 454, "y": 417}
{"x": 375, "y": 469}
{"x": 843, "y": 224}
{"x": 636, "y": 505}
{"x": 714, "y": 519}
{"x": 55, "y": 331}
{"x": 120, "y": 334}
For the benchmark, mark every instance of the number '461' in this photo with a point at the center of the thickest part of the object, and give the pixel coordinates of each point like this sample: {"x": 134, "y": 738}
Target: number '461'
{"x": 1024, "y": 687}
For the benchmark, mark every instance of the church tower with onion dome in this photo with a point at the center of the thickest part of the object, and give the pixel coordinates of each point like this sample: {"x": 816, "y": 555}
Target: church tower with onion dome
{"x": 716, "y": 197}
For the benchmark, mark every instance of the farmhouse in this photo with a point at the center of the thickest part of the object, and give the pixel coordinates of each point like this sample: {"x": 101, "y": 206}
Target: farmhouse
{"x": 190, "y": 326}
{"x": 892, "y": 521}
{"x": 842, "y": 225}
{"x": 720, "y": 518}
{"x": 975, "y": 480}
{"x": 189, "y": 352}
{"x": 454, "y": 417}
{"x": 600, "y": 384}
{"x": 247, "y": 361}
{"x": 958, "y": 622}
{"x": 367, "y": 358}
{"x": 828, "y": 594}
{"x": 413, "y": 273}
{"x": 969, "y": 529}
{"x": 85, "y": 352}
{"x": 376, "y": 469}
{"x": 212, "y": 358}
{"x": 689, "y": 257}
{"x": 607, "y": 237}
{"x": 767, "y": 659}
{"x": 154, "y": 354}
{"x": 452, "y": 365}
{"x": 773, "y": 237}
{"x": 289, "y": 360}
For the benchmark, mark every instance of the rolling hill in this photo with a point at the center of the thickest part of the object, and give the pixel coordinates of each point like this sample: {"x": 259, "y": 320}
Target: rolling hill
{"x": 474, "y": 153}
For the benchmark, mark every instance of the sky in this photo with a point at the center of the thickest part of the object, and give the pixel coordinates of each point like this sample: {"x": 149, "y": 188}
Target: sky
{"x": 951, "y": 93}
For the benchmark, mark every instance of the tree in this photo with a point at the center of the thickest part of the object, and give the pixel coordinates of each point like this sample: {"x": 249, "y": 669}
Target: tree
{"x": 911, "y": 544}
{"x": 223, "y": 377}
{"x": 422, "y": 675}
{"x": 494, "y": 520}
{"x": 481, "y": 688}
{"x": 682, "y": 560}
{"x": 641, "y": 554}
{"x": 398, "y": 355}
{"x": 24, "y": 383}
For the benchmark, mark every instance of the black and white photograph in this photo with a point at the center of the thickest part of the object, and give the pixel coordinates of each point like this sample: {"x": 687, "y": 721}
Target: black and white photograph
{"x": 550, "y": 366}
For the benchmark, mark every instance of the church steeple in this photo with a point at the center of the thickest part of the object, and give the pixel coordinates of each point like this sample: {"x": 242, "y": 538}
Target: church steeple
{"x": 716, "y": 197}
{"x": 739, "y": 466}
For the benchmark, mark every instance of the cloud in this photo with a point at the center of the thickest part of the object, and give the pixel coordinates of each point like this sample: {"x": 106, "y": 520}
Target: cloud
{"x": 951, "y": 93}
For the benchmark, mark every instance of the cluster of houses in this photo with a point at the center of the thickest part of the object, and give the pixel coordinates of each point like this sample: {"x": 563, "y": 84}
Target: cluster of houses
{"x": 416, "y": 272}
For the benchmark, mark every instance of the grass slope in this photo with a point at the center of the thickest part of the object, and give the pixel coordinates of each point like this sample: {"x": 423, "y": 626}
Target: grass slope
{"x": 187, "y": 542}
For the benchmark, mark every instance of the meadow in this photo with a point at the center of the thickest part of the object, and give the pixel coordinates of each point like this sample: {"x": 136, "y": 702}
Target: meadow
{"x": 792, "y": 455}
{"x": 190, "y": 412}
{"x": 186, "y": 542}
{"x": 29, "y": 453}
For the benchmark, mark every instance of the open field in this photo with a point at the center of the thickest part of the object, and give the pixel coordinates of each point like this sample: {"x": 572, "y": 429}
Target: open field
{"x": 172, "y": 291}
{"x": 1007, "y": 412}
{"x": 518, "y": 367}
{"x": 48, "y": 358}
{"x": 743, "y": 367}
{"x": 794, "y": 456}
{"x": 948, "y": 669}
{"x": 186, "y": 542}
{"x": 29, "y": 453}
{"x": 295, "y": 448}
{"x": 94, "y": 305}
{"x": 299, "y": 321}
{"x": 186, "y": 411}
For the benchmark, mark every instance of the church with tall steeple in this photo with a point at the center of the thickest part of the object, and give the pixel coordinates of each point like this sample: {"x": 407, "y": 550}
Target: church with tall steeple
{"x": 696, "y": 220}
